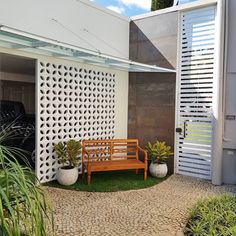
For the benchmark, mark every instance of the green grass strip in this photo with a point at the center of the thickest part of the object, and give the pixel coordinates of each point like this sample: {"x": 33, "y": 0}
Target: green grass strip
{"x": 112, "y": 181}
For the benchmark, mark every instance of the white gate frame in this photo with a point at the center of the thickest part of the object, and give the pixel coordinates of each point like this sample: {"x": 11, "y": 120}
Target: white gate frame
{"x": 218, "y": 111}
{"x": 217, "y": 143}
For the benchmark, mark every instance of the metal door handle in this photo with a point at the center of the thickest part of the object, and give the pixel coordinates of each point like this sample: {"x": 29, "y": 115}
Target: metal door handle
{"x": 185, "y": 126}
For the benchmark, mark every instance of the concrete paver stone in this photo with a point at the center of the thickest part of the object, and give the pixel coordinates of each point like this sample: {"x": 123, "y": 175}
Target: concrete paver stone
{"x": 161, "y": 210}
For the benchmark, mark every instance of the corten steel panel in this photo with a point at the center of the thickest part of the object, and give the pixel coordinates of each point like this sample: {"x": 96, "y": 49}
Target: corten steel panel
{"x": 157, "y": 92}
{"x": 160, "y": 115}
{"x": 153, "y": 40}
{"x": 152, "y": 109}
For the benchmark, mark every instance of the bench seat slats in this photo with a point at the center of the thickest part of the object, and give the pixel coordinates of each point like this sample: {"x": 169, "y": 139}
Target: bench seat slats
{"x": 115, "y": 165}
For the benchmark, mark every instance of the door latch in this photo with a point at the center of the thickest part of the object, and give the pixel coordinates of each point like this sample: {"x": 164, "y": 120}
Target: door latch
{"x": 178, "y": 130}
{"x": 184, "y": 130}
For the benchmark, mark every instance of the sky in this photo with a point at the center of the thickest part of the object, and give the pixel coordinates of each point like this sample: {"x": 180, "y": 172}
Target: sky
{"x": 126, "y": 7}
{"x": 130, "y": 7}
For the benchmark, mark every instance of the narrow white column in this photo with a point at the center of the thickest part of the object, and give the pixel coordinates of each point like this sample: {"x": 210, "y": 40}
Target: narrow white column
{"x": 217, "y": 148}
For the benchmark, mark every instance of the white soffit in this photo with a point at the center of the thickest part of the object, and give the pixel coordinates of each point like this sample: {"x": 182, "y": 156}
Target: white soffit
{"x": 19, "y": 40}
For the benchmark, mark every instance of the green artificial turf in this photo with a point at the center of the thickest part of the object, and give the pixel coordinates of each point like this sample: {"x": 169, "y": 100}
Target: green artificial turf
{"x": 112, "y": 181}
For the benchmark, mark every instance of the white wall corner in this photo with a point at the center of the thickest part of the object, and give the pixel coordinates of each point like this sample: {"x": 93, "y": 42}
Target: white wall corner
{"x": 121, "y": 104}
{"x": 217, "y": 144}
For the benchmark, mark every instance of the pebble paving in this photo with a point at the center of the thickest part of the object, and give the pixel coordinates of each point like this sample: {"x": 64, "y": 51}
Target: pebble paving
{"x": 161, "y": 210}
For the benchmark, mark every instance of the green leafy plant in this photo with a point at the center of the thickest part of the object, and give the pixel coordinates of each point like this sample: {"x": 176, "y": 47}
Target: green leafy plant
{"x": 68, "y": 152}
{"x": 23, "y": 206}
{"x": 160, "y": 4}
{"x": 158, "y": 152}
{"x": 214, "y": 216}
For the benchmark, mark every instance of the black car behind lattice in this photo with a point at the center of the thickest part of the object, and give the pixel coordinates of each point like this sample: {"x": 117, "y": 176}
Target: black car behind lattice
{"x": 13, "y": 118}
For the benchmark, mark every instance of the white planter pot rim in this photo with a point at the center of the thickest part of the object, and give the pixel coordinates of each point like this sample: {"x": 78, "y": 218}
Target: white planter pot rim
{"x": 159, "y": 163}
{"x": 67, "y": 176}
{"x": 67, "y": 167}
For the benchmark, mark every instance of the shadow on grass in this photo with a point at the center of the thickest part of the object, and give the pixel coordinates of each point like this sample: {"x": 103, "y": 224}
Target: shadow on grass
{"x": 112, "y": 181}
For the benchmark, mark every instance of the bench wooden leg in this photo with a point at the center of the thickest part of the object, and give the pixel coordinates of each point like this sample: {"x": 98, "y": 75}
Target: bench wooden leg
{"x": 82, "y": 173}
{"x": 145, "y": 174}
{"x": 89, "y": 178}
{"x": 136, "y": 171}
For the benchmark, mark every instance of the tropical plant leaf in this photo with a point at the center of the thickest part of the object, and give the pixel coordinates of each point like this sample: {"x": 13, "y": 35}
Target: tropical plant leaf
{"x": 68, "y": 152}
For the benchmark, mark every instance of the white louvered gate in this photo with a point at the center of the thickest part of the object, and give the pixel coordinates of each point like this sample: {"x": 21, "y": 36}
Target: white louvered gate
{"x": 195, "y": 93}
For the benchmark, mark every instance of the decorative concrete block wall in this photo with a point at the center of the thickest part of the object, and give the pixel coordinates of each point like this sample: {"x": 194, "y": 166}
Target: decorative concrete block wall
{"x": 73, "y": 103}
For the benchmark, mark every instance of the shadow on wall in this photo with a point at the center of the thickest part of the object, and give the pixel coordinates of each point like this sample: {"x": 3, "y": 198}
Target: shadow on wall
{"x": 145, "y": 50}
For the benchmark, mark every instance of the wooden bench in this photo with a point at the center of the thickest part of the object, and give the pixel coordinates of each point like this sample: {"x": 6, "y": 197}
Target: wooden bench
{"x": 108, "y": 155}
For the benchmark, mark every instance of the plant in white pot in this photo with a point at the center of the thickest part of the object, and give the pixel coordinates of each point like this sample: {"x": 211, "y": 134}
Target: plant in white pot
{"x": 68, "y": 156}
{"x": 158, "y": 153}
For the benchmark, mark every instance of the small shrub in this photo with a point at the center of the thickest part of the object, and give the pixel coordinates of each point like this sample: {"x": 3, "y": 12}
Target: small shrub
{"x": 158, "y": 152}
{"x": 215, "y": 216}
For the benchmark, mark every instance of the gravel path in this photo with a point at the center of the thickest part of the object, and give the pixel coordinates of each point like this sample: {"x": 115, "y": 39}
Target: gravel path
{"x": 159, "y": 211}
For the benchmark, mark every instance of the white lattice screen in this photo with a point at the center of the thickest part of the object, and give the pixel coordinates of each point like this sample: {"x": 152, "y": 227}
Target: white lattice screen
{"x": 73, "y": 102}
{"x": 195, "y": 93}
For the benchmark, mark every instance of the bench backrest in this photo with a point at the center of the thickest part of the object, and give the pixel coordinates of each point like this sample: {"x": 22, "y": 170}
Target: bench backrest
{"x": 115, "y": 149}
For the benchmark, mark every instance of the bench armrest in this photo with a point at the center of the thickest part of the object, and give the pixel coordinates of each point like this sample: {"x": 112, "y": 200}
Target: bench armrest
{"x": 85, "y": 153}
{"x": 145, "y": 154}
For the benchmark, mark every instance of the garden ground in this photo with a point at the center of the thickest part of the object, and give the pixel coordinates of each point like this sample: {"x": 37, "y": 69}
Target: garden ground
{"x": 161, "y": 210}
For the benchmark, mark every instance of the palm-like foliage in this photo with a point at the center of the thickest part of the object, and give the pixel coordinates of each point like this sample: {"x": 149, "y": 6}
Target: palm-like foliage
{"x": 68, "y": 152}
{"x": 23, "y": 208}
{"x": 158, "y": 152}
{"x": 160, "y": 4}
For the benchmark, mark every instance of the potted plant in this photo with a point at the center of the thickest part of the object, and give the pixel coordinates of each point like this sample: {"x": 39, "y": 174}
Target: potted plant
{"x": 68, "y": 156}
{"x": 158, "y": 153}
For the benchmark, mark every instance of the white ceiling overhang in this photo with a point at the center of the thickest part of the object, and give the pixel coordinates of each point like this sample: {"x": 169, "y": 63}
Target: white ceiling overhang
{"x": 19, "y": 40}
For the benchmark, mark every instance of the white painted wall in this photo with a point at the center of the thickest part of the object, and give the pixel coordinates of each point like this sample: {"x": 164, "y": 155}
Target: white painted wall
{"x": 229, "y": 144}
{"x": 231, "y": 60}
{"x": 108, "y": 31}
{"x": 230, "y": 83}
{"x": 121, "y": 101}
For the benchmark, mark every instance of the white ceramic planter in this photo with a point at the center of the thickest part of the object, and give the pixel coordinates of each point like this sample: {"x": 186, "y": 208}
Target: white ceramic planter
{"x": 158, "y": 170}
{"x": 67, "y": 176}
